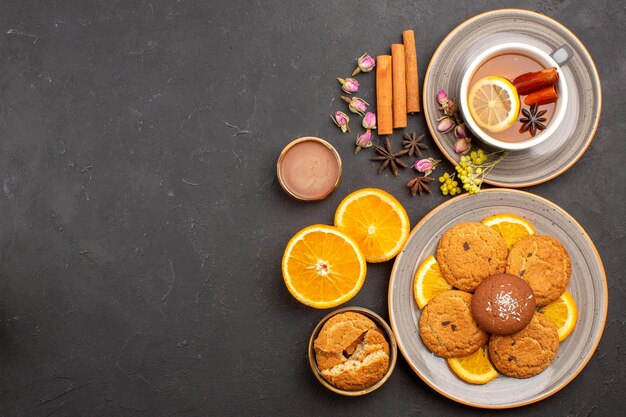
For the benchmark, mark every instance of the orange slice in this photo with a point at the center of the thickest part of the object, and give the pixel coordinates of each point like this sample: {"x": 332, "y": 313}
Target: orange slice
{"x": 563, "y": 313}
{"x": 428, "y": 282}
{"x": 376, "y": 220}
{"x": 511, "y": 227}
{"x": 494, "y": 103}
{"x": 475, "y": 368}
{"x": 323, "y": 267}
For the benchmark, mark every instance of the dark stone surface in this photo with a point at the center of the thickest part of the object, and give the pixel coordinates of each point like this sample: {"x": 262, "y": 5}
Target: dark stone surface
{"x": 142, "y": 226}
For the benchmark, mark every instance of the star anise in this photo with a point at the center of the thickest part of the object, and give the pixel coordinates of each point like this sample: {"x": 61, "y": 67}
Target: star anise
{"x": 389, "y": 158}
{"x": 413, "y": 143}
{"x": 532, "y": 120}
{"x": 419, "y": 184}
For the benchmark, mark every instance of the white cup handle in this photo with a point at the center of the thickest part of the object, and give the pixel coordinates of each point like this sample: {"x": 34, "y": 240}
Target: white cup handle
{"x": 563, "y": 54}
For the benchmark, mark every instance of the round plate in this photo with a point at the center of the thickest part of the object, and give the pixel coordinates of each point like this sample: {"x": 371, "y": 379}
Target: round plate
{"x": 587, "y": 286}
{"x": 552, "y": 157}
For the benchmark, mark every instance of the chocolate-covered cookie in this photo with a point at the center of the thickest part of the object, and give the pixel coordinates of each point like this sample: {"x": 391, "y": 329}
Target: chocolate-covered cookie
{"x": 503, "y": 304}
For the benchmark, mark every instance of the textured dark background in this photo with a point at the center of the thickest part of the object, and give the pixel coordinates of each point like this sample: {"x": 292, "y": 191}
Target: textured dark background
{"x": 142, "y": 226}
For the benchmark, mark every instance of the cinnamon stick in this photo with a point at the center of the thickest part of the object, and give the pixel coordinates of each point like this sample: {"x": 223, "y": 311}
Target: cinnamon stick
{"x": 399, "y": 85}
{"x": 544, "y": 96}
{"x": 533, "y": 81}
{"x": 412, "y": 86}
{"x": 384, "y": 95}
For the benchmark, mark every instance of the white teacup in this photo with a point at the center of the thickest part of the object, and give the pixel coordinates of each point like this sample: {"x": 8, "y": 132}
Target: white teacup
{"x": 558, "y": 58}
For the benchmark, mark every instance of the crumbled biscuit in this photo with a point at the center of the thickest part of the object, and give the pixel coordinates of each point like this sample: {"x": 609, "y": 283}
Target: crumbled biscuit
{"x": 351, "y": 352}
{"x": 358, "y": 374}
{"x": 341, "y": 330}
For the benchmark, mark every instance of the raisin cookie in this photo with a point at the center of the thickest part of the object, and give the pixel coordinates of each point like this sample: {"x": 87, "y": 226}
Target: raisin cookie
{"x": 527, "y": 352}
{"x": 543, "y": 262}
{"x": 470, "y": 252}
{"x": 447, "y": 327}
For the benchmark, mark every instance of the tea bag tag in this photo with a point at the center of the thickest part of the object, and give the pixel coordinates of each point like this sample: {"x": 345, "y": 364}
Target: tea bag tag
{"x": 563, "y": 54}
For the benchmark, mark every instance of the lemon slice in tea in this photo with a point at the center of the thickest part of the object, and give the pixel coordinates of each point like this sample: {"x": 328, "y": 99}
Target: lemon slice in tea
{"x": 494, "y": 103}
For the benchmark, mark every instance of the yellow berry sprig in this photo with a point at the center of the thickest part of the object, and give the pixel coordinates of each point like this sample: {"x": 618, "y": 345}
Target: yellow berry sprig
{"x": 472, "y": 170}
{"x": 449, "y": 184}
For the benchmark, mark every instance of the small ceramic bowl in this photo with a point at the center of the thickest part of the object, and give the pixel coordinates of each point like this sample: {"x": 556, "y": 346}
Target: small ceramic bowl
{"x": 333, "y": 163}
{"x": 382, "y": 325}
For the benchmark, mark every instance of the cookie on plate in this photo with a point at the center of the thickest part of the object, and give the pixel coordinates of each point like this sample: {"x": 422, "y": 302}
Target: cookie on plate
{"x": 503, "y": 304}
{"x": 543, "y": 262}
{"x": 447, "y": 327}
{"x": 470, "y": 252}
{"x": 527, "y": 352}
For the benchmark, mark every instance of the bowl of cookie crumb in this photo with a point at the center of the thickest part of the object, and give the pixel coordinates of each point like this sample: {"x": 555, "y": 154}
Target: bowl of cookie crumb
{"x": 352, "y": 351}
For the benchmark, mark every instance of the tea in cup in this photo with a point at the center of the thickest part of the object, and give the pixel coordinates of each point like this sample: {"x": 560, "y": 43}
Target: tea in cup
{"x": 514, "y": 96}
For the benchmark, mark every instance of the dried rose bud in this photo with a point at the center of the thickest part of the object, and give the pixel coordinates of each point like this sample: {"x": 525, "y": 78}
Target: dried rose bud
{"x": 462, "y": 146}
{"x": 446, "y": 104}
{"x": 460, "y": 131}
{"x": 363, "y": 141}
{"x": 341, "y": 120}
{"x": 426, "y": 165}
{"x": 365, "y": 64}
{"x": 449, "y": 107}
{"x": 442, "y": 97}
{"x": 445, "y": 124}
{"x": 356, "y": 105}
{"x": 369, "y": 121}
{"x": 349, "y": 85}
{"x": 423, "y": 165}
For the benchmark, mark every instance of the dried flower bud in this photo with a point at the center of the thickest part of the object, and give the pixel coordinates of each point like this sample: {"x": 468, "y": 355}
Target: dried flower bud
{"x": 446, "y": 104}
{"x": 426, "y": 165}
{"x": 369, "y": 121}
{"x": 449, "y": 107}
{"x": 341, "y": 120}
{"x": 460, "y": 131}
{"x": 365, "y": 64}
{"x": 356, "y": 105}
{"x": 363, "y": 141}
{"x": 423, "y": 165}
{"x": 445, "y": 124}
{"x": 462, "y": 146}
{"x": 442, "y": 97}
{"x": 349, "y": 85}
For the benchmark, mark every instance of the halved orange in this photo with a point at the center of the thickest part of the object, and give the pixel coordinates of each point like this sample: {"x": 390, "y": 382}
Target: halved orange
{"x": 494, "y": 103}
{"x": 323, "y": 267}
{"x": 511, "y": 227}
{"x": 428, "y": 282}
{"x": 563, "y": 313}
{"x": 475, "y": 368}
{"x": 376, "y": 220}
